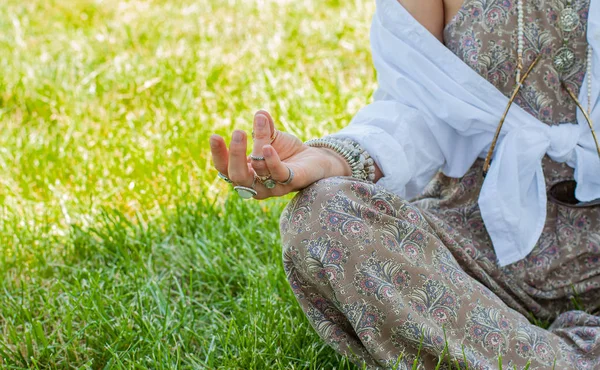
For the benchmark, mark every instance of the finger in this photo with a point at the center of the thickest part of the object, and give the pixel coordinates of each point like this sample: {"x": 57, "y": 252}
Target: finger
{"x": 279, "y": 171}
{"x": 262, "y": 129}
{"x": 219, "y": 152}
{"x": 238, "y": 167}
{"x": 270, "y": 120}
{"x": 261, "y": 190}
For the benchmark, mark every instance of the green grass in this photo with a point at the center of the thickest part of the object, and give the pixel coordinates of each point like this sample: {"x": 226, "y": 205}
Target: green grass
{"x": 118, "y": 246}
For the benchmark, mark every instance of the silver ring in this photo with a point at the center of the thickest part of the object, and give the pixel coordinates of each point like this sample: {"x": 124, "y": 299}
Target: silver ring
{"x": 290, "y": 178}
{"x": 256, "y": 158}
{"x": 246, "y": 192}
{"x": 225, "y": 178}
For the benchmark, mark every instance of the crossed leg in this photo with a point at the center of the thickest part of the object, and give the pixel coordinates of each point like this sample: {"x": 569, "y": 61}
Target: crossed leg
{"x": 379, "y": 285}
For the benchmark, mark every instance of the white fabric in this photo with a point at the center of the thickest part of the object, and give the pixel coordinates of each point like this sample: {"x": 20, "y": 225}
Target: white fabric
{"x": 432, "y": 111}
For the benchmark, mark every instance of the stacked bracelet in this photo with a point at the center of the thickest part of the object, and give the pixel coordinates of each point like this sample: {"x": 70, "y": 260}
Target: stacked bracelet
{"x": 360, "y": 162}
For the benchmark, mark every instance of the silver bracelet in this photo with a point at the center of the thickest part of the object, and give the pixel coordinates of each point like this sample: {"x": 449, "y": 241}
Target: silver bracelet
{"x": 360, "y": 162}
{"x": 367, "y": 163}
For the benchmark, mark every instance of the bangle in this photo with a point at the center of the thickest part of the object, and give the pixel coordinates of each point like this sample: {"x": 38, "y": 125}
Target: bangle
{"x": 358, "y": 159}
{"x": 367, "y": 163}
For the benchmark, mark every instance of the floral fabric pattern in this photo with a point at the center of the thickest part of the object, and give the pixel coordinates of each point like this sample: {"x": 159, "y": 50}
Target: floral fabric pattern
{"x": 423, "y": 275}
{"x": 483, "y": 35}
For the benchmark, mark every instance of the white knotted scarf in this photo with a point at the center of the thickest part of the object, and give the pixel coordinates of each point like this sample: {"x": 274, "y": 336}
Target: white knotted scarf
{"x": 432, "y": 110}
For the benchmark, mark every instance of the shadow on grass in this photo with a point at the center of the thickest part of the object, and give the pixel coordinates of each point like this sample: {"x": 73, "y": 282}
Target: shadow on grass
{"x": 200, "y": 286}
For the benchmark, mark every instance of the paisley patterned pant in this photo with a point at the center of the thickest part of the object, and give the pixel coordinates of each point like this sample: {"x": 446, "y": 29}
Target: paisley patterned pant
{"x": 379, "y": 278}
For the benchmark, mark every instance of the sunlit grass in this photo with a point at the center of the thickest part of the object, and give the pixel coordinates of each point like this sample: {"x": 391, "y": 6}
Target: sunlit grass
{"x": 118, "y": 248}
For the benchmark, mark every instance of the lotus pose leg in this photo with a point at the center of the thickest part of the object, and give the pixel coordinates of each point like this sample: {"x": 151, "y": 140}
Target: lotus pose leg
{"x": 380, "y": 281}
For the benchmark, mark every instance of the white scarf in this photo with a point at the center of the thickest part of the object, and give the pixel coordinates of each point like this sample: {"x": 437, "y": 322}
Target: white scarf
{"x": 461, "y": 111}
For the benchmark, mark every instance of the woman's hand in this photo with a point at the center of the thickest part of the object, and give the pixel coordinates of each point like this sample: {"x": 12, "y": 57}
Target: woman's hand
{"x": 284, "y": 153}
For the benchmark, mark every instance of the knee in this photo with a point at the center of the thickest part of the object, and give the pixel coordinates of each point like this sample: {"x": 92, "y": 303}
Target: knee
{"x": 331, "y": 214}
{"x": 310, "y": 249}
{"x": 302, "y": 213}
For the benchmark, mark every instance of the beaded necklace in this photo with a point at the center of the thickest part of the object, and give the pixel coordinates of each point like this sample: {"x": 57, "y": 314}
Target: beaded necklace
{"x": 564, "y": 58}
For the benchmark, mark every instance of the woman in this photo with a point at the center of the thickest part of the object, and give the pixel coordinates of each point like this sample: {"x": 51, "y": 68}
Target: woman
{"x": 508, "y": 229}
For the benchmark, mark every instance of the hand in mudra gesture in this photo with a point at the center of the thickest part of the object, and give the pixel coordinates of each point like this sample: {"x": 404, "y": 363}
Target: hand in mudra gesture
{"x": 281, "y": 151}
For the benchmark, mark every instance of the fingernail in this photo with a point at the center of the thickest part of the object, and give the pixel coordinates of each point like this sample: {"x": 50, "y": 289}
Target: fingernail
{"x": 237, "y": 137}
{"x": 267, "y": 151}
{"x": 261, "y": 121}
{"x": 213, "y": 142}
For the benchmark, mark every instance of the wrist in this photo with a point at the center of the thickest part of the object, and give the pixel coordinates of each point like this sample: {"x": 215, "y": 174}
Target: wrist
{"x": 356, "y": 157}
{"x": 335, "y": 164}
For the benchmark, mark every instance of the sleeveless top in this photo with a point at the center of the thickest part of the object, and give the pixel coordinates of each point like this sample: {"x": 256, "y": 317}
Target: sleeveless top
{"x": 484, "y": 35}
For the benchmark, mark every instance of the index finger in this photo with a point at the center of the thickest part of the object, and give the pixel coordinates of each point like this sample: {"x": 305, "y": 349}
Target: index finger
{"x": 220, "y": 154}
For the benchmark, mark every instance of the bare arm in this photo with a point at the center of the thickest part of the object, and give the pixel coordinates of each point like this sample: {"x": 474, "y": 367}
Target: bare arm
{"x": 430, "y": 13}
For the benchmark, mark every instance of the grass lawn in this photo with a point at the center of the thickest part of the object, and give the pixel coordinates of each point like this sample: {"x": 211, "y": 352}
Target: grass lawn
{"x": 118, "y": 246}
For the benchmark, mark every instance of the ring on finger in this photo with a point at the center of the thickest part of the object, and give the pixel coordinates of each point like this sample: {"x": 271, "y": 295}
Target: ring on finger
{"x": 246, "y": 192}
{"x": 225, "y": 178}
{"x": 267, "y": 181}
{"x": 256, "y": 158}
{"x": 274, "y": 136}
{"x": 289, "y": 179}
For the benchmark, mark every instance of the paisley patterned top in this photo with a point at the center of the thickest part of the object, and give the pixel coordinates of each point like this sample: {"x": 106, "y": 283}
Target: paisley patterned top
{"x": 483, "y": 35}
